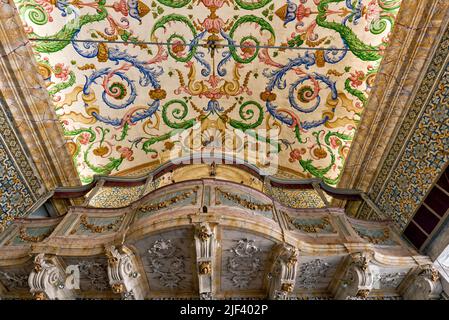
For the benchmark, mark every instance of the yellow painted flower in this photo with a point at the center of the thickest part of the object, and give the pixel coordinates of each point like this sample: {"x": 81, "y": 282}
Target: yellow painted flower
{"x": 101, "y": 151}
{"x": 169, "y": 145}
{"x": 157, "y": 94}
{"x": 320, "y": 153}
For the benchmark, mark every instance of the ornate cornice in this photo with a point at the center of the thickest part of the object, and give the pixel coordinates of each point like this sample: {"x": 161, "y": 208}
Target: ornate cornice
{"x": 416, "y": 35}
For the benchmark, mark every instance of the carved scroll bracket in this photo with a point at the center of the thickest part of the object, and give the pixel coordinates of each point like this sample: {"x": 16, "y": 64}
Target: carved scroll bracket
{"x": 47, "y": 280}
{"x": 283, "y": 273}
{"x": 358, "y": 279}
{"x": 123, "y": 275}
{"x": 422, "y": 284}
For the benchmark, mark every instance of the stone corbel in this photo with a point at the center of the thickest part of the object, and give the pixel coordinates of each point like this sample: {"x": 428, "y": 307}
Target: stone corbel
{"x": 47, "y": 281}
{"x": 205, "y": 244}
{"x": 423, "y": 284}
{"x": 123, "y": 275}
{"x": 357, "y": 280}
{"x": 283, "y": 273}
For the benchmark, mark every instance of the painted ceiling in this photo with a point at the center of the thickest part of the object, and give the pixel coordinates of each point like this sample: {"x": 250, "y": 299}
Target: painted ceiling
{"x": 126, "y": 75}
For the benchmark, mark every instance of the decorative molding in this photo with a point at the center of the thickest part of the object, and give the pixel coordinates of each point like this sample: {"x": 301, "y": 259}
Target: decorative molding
{"x": 320, "y": 225}
{"x": 181, "y": 255}
{"x": 375, "y": 236}
{"x": 240, "y": 201}
{"x": 171, "y": 201}
{"x": 113, "y": 226}
{"x": 27, "y": 238}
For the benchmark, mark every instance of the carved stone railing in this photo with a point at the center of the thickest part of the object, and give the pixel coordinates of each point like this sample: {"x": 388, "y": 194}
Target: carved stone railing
{"x": 248, "y": 174}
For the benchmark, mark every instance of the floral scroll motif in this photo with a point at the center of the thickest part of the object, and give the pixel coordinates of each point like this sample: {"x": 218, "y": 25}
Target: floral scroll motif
{"x": 167, "y": 263}
{"x": 14, "y": 280}
{"x": 123, "y": 92}
{"x": 310, "y": 273}
{"x": 245, "y": 263}
{"x": 95, "y": 275}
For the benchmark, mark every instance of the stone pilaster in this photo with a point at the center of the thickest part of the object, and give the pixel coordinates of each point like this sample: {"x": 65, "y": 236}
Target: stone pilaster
{"x": 205, "y": 244}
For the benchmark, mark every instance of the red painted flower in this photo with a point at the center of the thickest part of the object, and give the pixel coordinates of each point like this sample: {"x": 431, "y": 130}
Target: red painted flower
{"x": 84, "y": 138}
{"x": 213, "y": 3}
{"x": 121, "y": 7}
{"x": 178, "y": 47}
{"x": 302, "y": 12}
{"x": 248, "y": 49}
{"x": 213, "y": 24}
{"x": 357, "y": 78}
{"x": 125, "y": 153}
{"x": 296, "y": 154}
{"x": 372, "y": 11}
{"x": 61, "y": 71}
{"x": 334, "y": 142}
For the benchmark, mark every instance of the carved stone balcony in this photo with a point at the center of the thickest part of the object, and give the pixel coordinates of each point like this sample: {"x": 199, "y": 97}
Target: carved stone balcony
{"x": 215, "y": 239}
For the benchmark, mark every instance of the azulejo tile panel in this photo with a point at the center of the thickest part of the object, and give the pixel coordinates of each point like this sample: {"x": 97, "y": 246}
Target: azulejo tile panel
{"x": 406, "y": 176}
{"x": 297, "y": 198}
{"x": 19, "y": 187}
{"x": 211, "y": 63}
{"x": 115, "y": 197}
{"x": 15, "y": 197}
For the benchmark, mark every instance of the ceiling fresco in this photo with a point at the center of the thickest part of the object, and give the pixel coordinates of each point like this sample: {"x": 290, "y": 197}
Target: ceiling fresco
{"x": 125, "y": 76}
